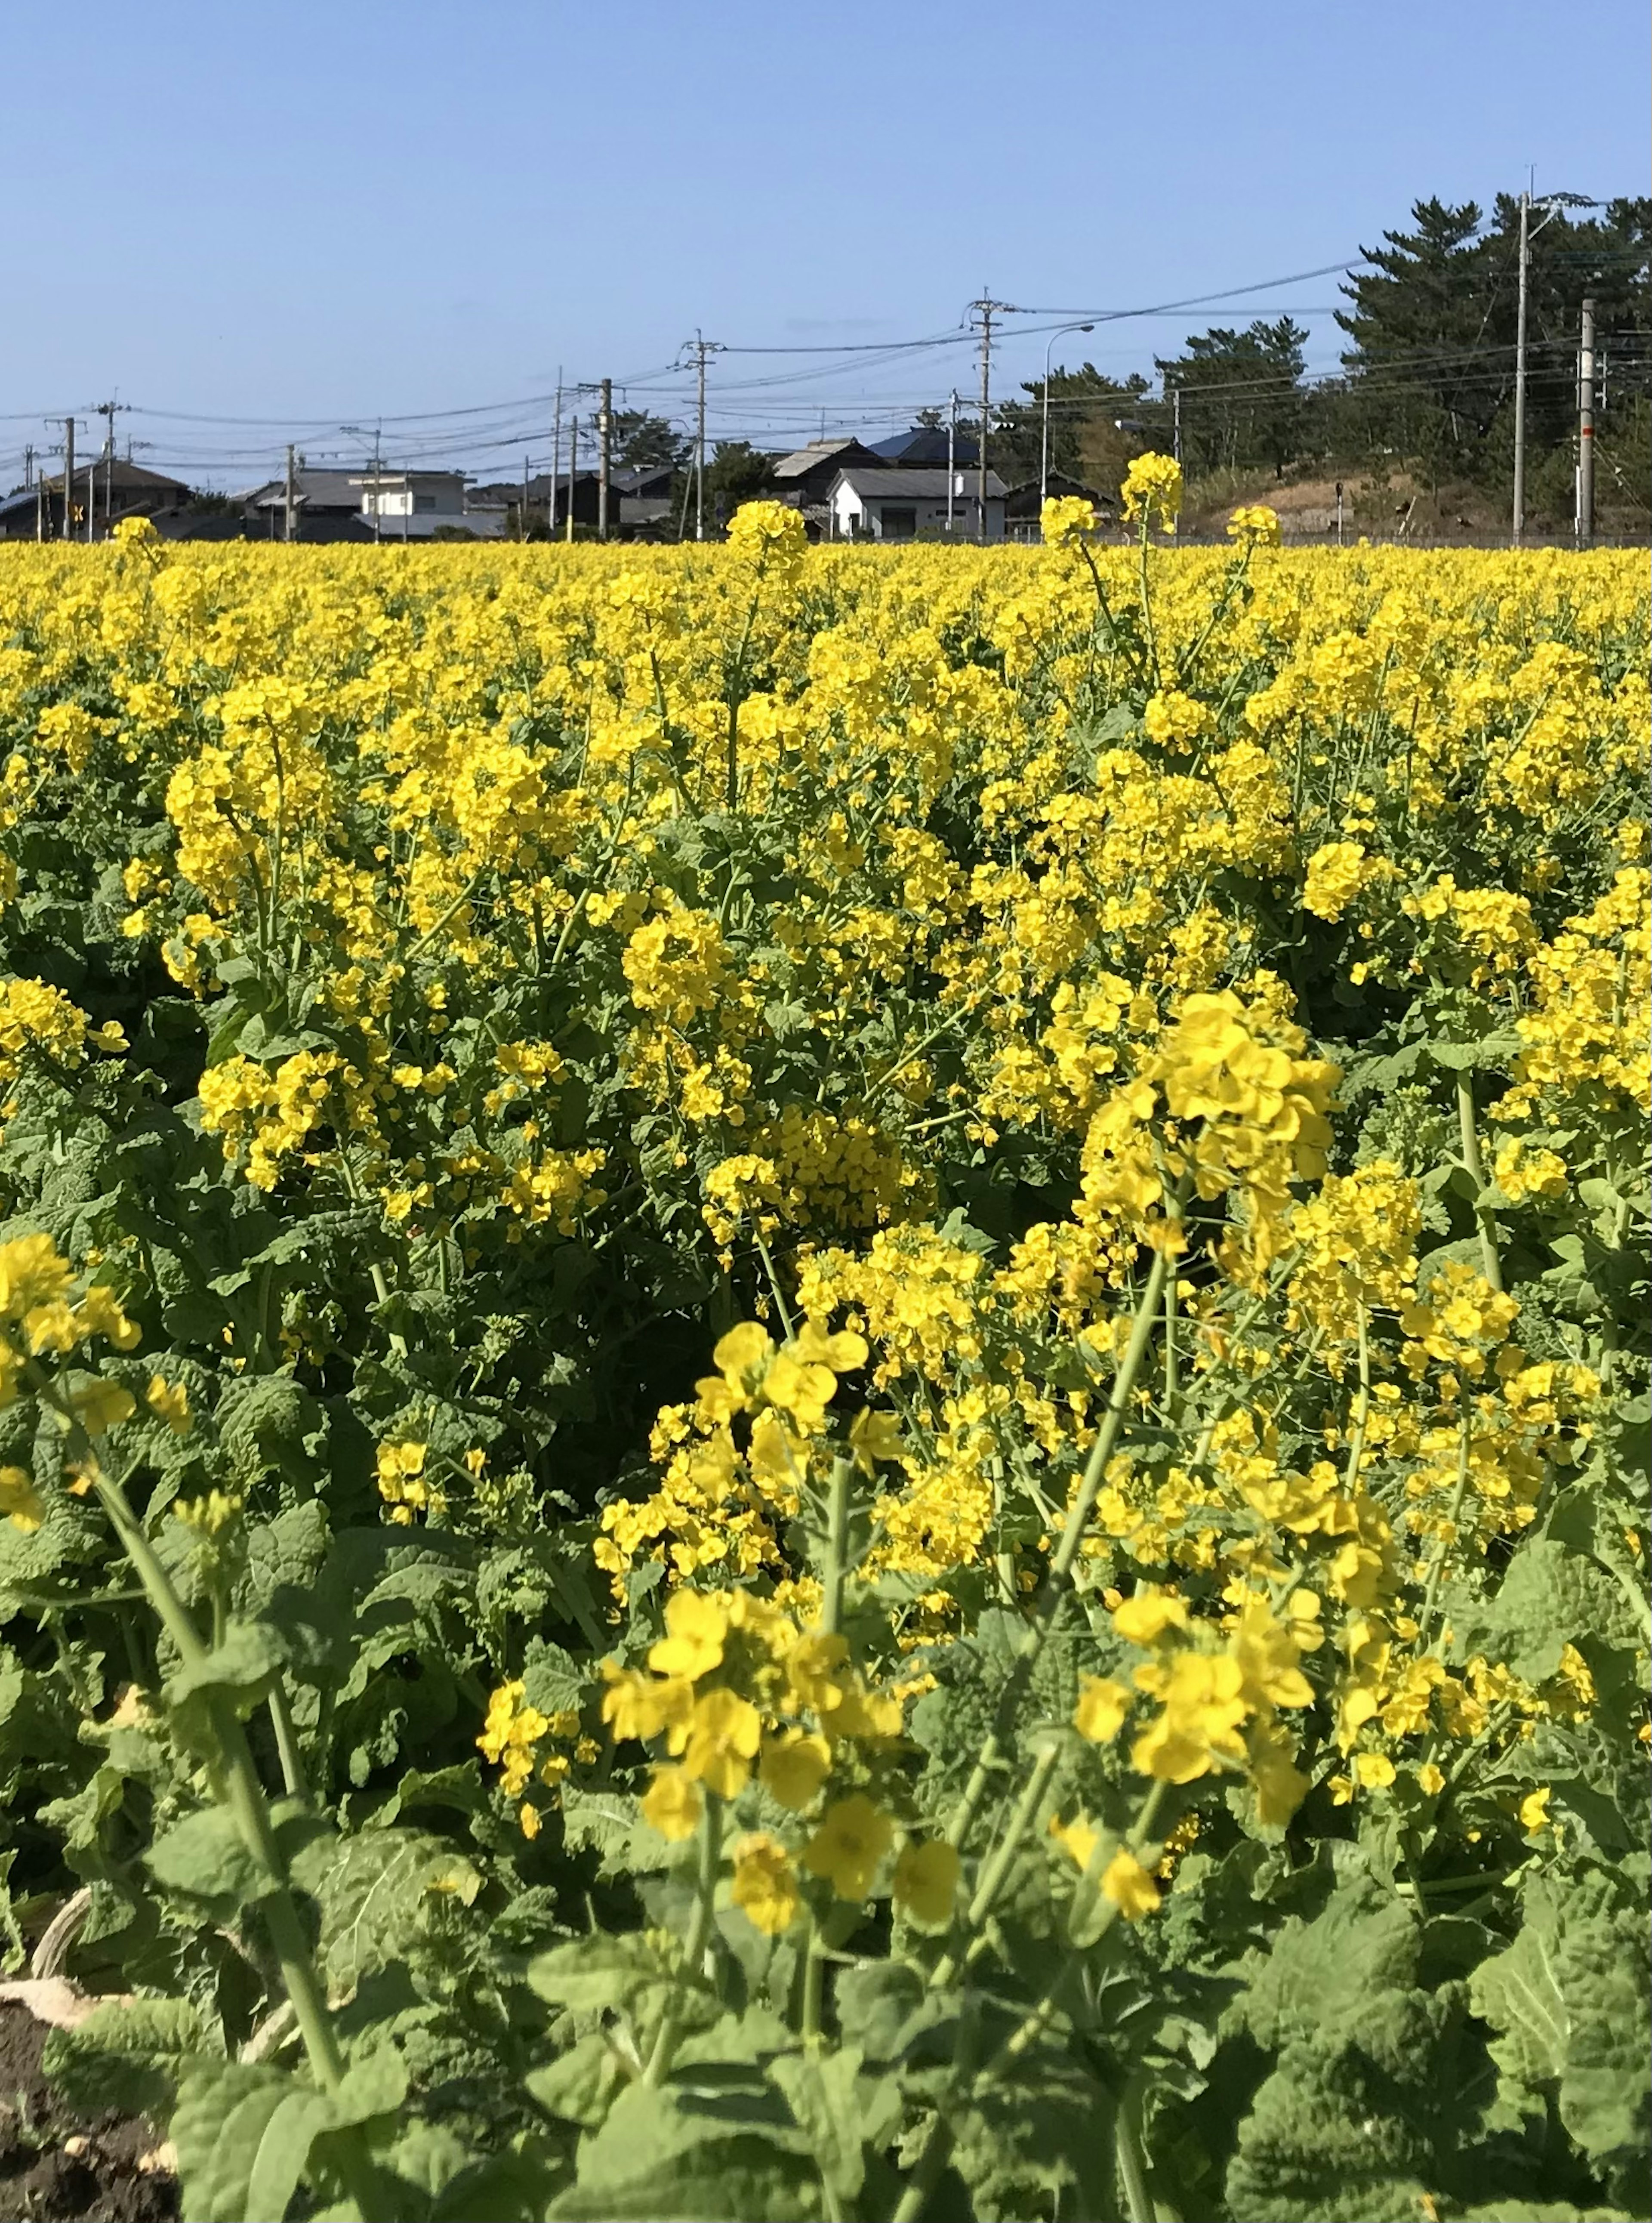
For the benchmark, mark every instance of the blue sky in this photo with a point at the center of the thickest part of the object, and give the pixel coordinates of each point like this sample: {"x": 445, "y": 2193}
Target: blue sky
{"x": 314, "y": 215}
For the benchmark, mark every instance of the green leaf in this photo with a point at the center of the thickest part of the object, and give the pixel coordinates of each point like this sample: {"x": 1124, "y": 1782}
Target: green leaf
{"x": 593, "y": 1972}
{"x": 127, "y": 2054}
{"x": 1550, "y": 1596}
{"x": 233, "y": 2123}
{"x": 238, "y": 1671}
{"x": 695, "y": 2159}
{"x": 553, "y": 1679}
{"x": 277, "y": 2160}
{"x": 1570, "y": 2002}
{"x": 376, "y": 1892}
{"x": 204, "y": 1856}
{"x": 580, "y": 2084}
{"x": 839, "y": 2112}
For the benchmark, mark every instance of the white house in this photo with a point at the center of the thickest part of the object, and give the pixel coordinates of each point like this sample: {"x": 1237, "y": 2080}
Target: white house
{"x": 896, "y": 505}
{"x": 412, "y": 494}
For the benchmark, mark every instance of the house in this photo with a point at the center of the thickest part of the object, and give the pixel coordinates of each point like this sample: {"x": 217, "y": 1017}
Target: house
{"x": 411, "y": 504}
{"x": 925, "y": 448}
{"x": 327, "y": 506}
{"x": 805, "y": 478}
{"x": 108, "y": 486}
{"x": 1023, "y": 504}
{"x": 881, "y": 504}
{"x": 333, "y": 505}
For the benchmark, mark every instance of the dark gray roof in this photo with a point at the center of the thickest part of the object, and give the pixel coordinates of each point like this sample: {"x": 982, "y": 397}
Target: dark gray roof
{"x": 804, "y": 460}
{"x": 316, "y": 489}
{"x": 917, "y": 486}
{"x": 134, "y": 477}
{"x": 925, "y": 444}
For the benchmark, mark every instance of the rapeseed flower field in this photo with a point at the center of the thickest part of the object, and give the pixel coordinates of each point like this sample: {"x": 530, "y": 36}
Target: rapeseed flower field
{"x": 825, "y": 1371}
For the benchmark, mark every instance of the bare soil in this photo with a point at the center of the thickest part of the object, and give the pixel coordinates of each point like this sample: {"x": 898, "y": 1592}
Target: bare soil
{"x": 55, "y": 2168}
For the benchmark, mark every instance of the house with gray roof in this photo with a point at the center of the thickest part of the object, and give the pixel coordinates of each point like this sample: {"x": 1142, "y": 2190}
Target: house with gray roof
{"x": 885, "y": 504}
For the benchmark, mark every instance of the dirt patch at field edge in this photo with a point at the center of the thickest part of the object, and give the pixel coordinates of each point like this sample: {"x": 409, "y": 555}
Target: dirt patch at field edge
{"x": 56, "y": 2168}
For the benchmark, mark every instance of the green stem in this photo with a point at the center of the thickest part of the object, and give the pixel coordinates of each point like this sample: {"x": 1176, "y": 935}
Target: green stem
{"x": 1072, "y": 1535}
{"x": 1362, "y": 1410}
{"x": 937, "y": 2145}
{"x": 693, "y": 1955}
{"x": 236, "y": 1784}
{"x": 1453, "y": 1514}
{"x": 286, "y": 1742}
{"x": 837, "y": 1545}
{"x": 1133, "y": 2158}
{"x": 1472, "y": 1159}
{"x": 813, "y": 1986}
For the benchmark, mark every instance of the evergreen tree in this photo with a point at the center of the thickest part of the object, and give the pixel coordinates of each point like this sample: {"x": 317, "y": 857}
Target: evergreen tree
{"x": 1242, "y": 396}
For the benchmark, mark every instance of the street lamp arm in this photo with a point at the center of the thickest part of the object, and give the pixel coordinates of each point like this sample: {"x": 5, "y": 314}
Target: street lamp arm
{"x": 1044, "y": 439}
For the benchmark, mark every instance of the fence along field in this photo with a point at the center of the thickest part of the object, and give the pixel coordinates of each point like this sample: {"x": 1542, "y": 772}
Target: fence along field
{"x": 824, "y": 1373}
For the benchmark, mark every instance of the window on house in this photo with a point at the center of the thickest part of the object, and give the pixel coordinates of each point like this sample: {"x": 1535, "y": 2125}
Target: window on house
{"x": 899, "y": 524}
{"x": 424, "y": 501}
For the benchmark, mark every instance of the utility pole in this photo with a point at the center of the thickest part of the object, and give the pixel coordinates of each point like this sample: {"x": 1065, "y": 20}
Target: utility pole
{"x": 1587, "y": 425}
{"x": 702, "y": 348}
{"x": 106, "y": 410}
{"x": 556, "y": 460}
{"x": 289, "y": 506}
{"x": 986, "y": 308}
{"x": 28, "y": 466}
{"x": 952, "y": 457}
{"x": 572, "y": 468}
{"x": 1518, "y": 523}
{"x": 1551, "y": 205}
{"x": 605, "y": 455}
{"x": 1176, "y": 424}
{"x": 523, "y": 521}
{"x": 68, "y": 478}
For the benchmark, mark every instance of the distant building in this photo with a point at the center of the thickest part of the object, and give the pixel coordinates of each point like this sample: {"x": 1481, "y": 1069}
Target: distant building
{"x": 806, "y": 478}
{"x": 1023, "y": 504}
{"x": 881, "y": 504}
{"x": 925, "y": 448}
{"x": 333, "y": 505}
{"x": 107, "y": 487}
{"x": 502, "y": 501}
{"x": 327, "y": 506}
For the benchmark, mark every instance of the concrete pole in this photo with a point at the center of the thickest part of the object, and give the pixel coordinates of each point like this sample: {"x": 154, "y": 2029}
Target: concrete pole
{"x": 605, "y": 457}
{"x": 986, "y": 308}
{"x": 1587, "y": 425}
{"x": 699, "y": 440}
{"x": 68, "y": 478}
{"x": 556, "y": 460}
{"x": 1518, "y": 523}
{"x": 289, "y": 502}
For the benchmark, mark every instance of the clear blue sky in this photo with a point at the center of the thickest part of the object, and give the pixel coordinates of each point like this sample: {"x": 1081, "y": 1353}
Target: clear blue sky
{"x": 300, "y": 211}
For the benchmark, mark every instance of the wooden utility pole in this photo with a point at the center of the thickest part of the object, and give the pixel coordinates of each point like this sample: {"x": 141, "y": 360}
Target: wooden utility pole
{"x": 605, "y": 455}
{"x": 289, "y": 508}
{"x": 1587, "y": 425}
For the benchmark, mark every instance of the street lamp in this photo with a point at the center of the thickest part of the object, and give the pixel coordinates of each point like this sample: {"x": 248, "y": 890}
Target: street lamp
{"x": 1044, "y": 444}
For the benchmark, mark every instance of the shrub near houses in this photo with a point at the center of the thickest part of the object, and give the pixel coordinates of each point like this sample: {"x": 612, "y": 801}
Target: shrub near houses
{"x": 825, "y": 1372}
